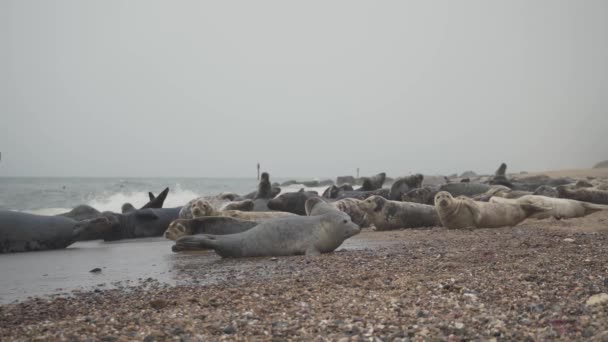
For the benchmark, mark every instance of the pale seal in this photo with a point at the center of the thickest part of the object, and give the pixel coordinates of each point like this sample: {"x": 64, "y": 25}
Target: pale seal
{"x": 297, "y": 235}
{"x": 202, "y": 208}
{"x": 207, "y": 225}
{"x": 462, "y": 212}
{"x": 561, "y": 208}
{"x": 388, "y": 215}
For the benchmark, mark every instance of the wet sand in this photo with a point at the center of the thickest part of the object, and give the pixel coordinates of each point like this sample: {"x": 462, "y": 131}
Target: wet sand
{"x": 122, "y": 263}
{"x": 541, "y": 280}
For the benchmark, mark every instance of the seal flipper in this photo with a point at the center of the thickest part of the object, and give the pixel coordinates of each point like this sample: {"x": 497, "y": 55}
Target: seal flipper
{"x": 472, "y": 207}
{"x": 195, "y": 242}
{"x": 531, "y": 209}
{"x": 592, "y": 207}
{"x": 158, "y": 201}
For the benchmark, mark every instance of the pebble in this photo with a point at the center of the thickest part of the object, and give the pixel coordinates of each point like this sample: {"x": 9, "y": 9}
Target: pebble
{"x": 597, "y": 299}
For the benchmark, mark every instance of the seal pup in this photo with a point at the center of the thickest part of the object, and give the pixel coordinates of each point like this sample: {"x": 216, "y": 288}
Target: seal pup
{"x": 561, "y": 208}
{"x": 462, "y": 212}
{"x": 22, "y": 232}
{"x": 216, "y": 225}
{"x": 296, "y": 235}
{"x": 590, "y": 195}
{"x": 373, "y": 183}
{"x": 404, "y": 184}
{"x": 388, "y": 215}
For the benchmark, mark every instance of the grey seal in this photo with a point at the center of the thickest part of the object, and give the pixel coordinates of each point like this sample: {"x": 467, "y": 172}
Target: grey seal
{"x": 22, "y": 232}
{"x": 297, "y": 235}
{"x": 404, "y": 184}
{"x": 590, "y": 195}
{"x": 135, "y": 224}
{"x": 373, "y": 183}
{"x": 388, "y": 215}
{"x": 292, "y": 202}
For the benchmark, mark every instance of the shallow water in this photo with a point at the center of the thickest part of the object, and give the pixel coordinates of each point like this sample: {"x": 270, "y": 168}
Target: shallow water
{"x": 124, "y": 263}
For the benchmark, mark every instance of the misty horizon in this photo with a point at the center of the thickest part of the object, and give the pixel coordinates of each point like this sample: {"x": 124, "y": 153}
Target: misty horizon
{"x": 309, "y": 90}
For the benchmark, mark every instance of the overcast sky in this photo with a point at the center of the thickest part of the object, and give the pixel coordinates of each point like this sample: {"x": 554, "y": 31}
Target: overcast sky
{"x": 308, "y": 88}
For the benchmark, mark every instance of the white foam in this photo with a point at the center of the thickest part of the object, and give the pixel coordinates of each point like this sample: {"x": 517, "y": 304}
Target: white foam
{"x": 113, "y": 202}
{"x": 47, "y": 211}
{"x": 297, "y": 187}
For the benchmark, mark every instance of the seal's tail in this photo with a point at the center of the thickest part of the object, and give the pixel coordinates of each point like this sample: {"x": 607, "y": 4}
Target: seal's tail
{"x": 531, "y": 209}
{"x": 195, "y": 242}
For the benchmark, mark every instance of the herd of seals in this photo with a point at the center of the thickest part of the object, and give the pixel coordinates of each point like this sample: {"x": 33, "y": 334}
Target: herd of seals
{"x": 267, "y": 222}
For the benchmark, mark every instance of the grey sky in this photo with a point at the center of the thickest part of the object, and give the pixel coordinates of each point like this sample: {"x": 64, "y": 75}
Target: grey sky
{"x": 308, "y": 88}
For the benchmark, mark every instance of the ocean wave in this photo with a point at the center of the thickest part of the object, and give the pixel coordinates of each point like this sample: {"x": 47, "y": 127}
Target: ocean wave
{"x": 114, "y": 201}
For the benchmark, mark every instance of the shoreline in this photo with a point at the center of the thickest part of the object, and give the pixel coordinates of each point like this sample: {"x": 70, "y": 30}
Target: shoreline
{"x": 532, "y": 280}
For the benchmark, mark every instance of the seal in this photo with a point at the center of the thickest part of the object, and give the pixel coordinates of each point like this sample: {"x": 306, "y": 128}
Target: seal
{"x": 334, "y": 190}
{"x": 22, "y": 232}
{"x": 546, "y": 190}
{"x": 265, "y": 189}
{"x": 147, "y": 222}
{"x": 127, "y": 207}
{"x": 500, "y": 192}
{"x": 404, "y": 184}
{"x": 424, "y": 195}
{"x": 361, "y": 195}
{"x": 292, "y": 202}
{"x": 203, "y": 208}
{"x": 462, "y": 212}
{"x": 82, "y": 212}
{"x": 155, "y": 202}
{"x": 590, "y": 195}
{"x": 500, "y": 177}
{"x": 245, "y": 205}
{"x": 373, "y": 183}
{"x": 296, "y": 235}
{"x": 465, "y": 189}
{"x": 389, "y": 215}
{"x": 207, "y": 225}
{"x": 561, "y": 208}
{"x": 349, "y": 206}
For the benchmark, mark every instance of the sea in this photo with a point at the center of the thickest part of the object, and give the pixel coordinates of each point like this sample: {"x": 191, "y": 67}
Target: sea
{"x": 52, "y": 196}
{"x": 124, "y": 262}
